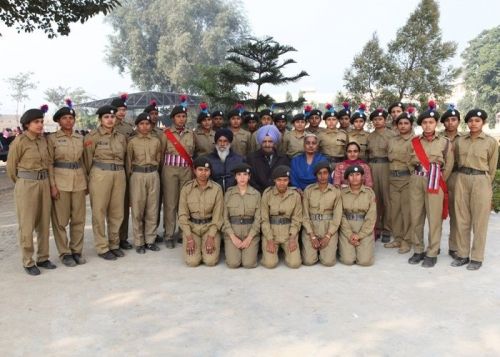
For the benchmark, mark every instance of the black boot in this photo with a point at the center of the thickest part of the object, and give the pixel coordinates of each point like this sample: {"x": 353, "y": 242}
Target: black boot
{"x": 458, "y": 262}
{"x": 170, "y": 243}
{"x": 68, "y": 260}
{"x": 125, "y": 245}
{"x": 108, "y": 256}
{"x": 152, "y": 247}
{"x": 416, "y": 258}
{"x": 474, "y": 265}
{"x": 429, "y": 262}
{"x": 140, "y": 249}
{"x": 47, "y": 264}
{"x": 33, "y": 270}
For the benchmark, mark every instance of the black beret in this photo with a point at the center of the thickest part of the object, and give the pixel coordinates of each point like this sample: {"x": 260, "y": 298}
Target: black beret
{"x": 202, "y": 115}
{"x": 243, "y": 167}
{"x": 280, "y": 116}
{"x": 405, "y": 115}
{"x": 315, "y": 112}
{"x": 429, "y": 113}
{"x": 476, "y": 113}
{"x": 298, "y": 116}
{"x": 396, "y": 104}
{"x": 330, "y": 113}
{"x": 217, "y": 113}
{"x": 32, "y": 114}
{"x": 236, "y": 112}
{"x": 280, "y": 171}
{"x": 177, "y": 110}
{"x": 225, "y": 132}
{"x": 202, "y": 161}
{"x": 106, "y": 109}
{"x": 379, "y": 112}
{"x": 352, "y": 169}
{"x": 151, "y": 107}
{"x": 268, "y": 112}
{"x": 451, "y": 112}
{"x": 247, "y": 116}
{"x": 344, "y": 111}
{"x": 322, "y": 165}
{"x": 141, "y": 117}
{"x": 119, "y": 102}
{"x": 62, "y": 112}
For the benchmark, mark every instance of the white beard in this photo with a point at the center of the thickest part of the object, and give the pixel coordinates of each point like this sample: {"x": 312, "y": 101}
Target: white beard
{"x": 223, "y": 153}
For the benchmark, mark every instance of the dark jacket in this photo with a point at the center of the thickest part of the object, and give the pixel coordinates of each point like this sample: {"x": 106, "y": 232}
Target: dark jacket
{"x": 221, "y": 171}
{"x": 261, "y": 170}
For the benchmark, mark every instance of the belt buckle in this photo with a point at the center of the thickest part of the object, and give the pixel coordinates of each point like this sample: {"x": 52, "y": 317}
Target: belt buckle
{"x": 39, "y": 175}
{"x": 113, "y": 167}
{"x": 241, "y": 220}
{"x": 74, "y": 165}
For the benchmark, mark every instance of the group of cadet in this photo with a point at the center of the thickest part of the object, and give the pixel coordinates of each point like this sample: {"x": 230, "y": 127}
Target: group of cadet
{"x": 318, "y": 193}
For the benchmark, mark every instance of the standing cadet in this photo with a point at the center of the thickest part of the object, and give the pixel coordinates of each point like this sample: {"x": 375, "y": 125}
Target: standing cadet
{"x": 313, "y": 117}
{"x": 322, "y": 212}
{"x": 104, "y": 159}
{"x": 241, "y": 137}
{"x": 293, "y": 142}
{"x": 204, "y": 134}
{"x": 477, "y": 156}
{"x": 251, "y": 121}
{"x": 395, "y": 110}
{"x": 281, "y": 121}
{"x": 399, "y": 182}
{"x": 27, "y": 167}
{"x": 344, "y": 116}
{"x": 200, "y": 216}
{"x": 144, "y": 155}
{"x": 358, "y": 134}
{"x": 177, "y": 167}
{"x": 217, "y": 120}
{"x": 281, "y": 212}
{"x": 126, "y": 129}
{"x": 68, "y": 186}
{"x": 356, "y": 242}
{"x": 241, "y": 220}
{"x": 432, "y": 160}
{"x": 378, "y": 142}
{"x": 332, "y": 141}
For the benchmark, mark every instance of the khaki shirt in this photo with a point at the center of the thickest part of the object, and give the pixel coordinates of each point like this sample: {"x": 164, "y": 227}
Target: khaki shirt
{"x": 143, "y": 150}
{"x": 438, "y": 151}
{"x": 316, "y": 131}
{"x": 27, "y": 152}
{"x": 64, "y": 148}
{"x": 201, "y": 203}
{"x": 293, "y": 143}
{"x": 247, "y": 205}
{"x": 204, "y": 142}
{"x": 289, "y": 206}
{"x": 158, "y": 132}
{"x": 332, "y": 142}
{"x": 241, "y": 142}
{"x": 124, "y": 128}
{"x": 316, "y": 201}
{"x": 254, "y": 145}
{"x": 104, "y": 147}
{"x": 480, "y": 153}
{"x": 362, "y": 202}
{"x": 185, "y": 137}
{"x": 399, "y": 152}
{"x": 361, "y": 138}
{"x": 378, "y": 143}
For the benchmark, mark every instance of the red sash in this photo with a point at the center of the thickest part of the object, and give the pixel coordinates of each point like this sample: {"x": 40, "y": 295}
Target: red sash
{"x": 424, "y": 160}
{"x": 178, "y": 146}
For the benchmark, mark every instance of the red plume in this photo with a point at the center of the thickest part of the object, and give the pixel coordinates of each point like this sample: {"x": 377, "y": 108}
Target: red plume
{"x": 44, "y": 108}
{"x": 345, "y": 105}
{"x": 411, "y": 109}
{"x": 68, "y": 102}
{"x": 238, "y": 106}
{"x": 203, "y": 105}
{"x": 183, "y": 98}
{"x": 328, "y": 106}
{"x": 432, "y": 104}
{"x": 124, "y": 96}
{"x": 152, "y": 102}
{"x": 308, "y": 108}
{"x": 362, "y": 106}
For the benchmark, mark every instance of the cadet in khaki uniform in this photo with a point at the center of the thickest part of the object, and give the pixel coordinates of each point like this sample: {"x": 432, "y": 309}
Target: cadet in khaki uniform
{"x": 344, "y": 116}
{"x": 200, "y": 217}
{"x": 241, "y": 220}
{"x": 378, "y": 142}
{"x": 356, "y": 242}
{"x": 477, "y": 157}
{"x": 395, "y": 110}
{"x": 422, "y": 202}
{"x": 313, "y": 117}
{"x": 293, "y": 142}
{"x": 322, "y": 212}
{"x": 281, "y": 212}
{"x": 332, "y": 141}
{"x": 104, "y": 158}
{"x": 204, "y": 135}
{"x": 143, "y": 159}
{"x": 399, "y": 183}
{"x": 281, "y": 122}
{"x": 358, "y": 134}
{"x": 217, "y": 120}
{"x": 27, "y": 167}
{"x": 241, "y": 137}
{"x": 266, "y": 118}
{"x": 68, "y": 186}
{"x": 127, "y": 130}
{"x": 176, "y": 169}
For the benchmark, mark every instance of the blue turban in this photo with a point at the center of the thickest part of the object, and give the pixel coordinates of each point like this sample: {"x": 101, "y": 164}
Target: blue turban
{"x": 268, "y": 130}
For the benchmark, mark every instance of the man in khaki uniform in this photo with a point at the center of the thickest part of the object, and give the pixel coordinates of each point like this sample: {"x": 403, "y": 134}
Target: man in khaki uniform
{"x": 281, "y": 212}
{"x": 68, "y": 185}
{"x": 422, "y": 202}
{"x": 204, "y": 135}
{"x": 104, "y": 159}
{"x": 200, "y": 217}
{"x": 356, "y": 242}
{"x": 241, "y": 137}
{"x": 322, "y": 212}
{"x": 143, "y": 159}
{"x": 293, "y": 142}
{"x": 358, "y": 135}
{"x": 477, "y": 157}
{"x": 241, "y": 220}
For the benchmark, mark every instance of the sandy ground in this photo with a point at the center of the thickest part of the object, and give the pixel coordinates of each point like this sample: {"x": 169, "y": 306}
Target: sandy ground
{"x": 154, "y": 305}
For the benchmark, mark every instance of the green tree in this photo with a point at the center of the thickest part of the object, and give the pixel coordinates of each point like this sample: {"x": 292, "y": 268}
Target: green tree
{"x": 58, "y": 94}
{"x": 482, "y": 73}
{"x": 51, "y": 16}
{"x": 19, "y": 85}
{"x": 162, "y": 43}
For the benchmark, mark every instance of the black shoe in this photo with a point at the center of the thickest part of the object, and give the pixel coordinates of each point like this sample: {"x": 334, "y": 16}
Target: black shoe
{"x": 429, "y": 262}
{"x": 453, "y": 254}
{"x": 474, "y": 265}
{"x": 125, "y": 245}
{"x": 108, "y": 255}
{"x": 117, "y": 252}
{"x": 159, "y": 239}
{"x": 140, "y": 249}
{"x": 458, "y": 262}
{"x": 439, "y": 251}
{"x": 152, "y": 247}
{"x": 47, "y": 264}
{"x": 170, "y": 243}
{"x": 33, "y": 270}
{"x": 416, "y": 258}
{"x": 385, "y": 238}
{"x": 79, "y": 259}
{"x": 68, "y": 260}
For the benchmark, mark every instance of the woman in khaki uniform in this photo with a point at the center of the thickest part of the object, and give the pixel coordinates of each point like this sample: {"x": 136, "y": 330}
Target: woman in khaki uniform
{"x": 143, "y": 159}
{"x": 104, "y": 159}
{"x": 204, "y": 135}
{"x": 356, "y": 242}
{"x": 293, "y": 141}
{"x": 477, "y": 155}
{"x": 281, "y": 212}
{"x": 27, "y": 167}
{"x": 68, "y": 187}
{"x": 200, "y": 216}
{"x": 332, "y": 141}
{"x": 358, "y": 134}
{"x": 322, "y": 212}
{"x": 241, "y": 220}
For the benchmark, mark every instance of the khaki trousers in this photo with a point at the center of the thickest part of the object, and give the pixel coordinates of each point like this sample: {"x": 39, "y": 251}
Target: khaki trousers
{"x": 33, "y": 214}
{"x": 144, "y": 196}
{"x": 452, "y": 240}
{"x": 328, "y": 255}
{"x": 269, "y": 260}
{"x": 380, "y": 174}
{"x": 199, "y": 233}
{"x": 69, "y": 209}
{"x": 422, "y": 205}
{"x": 172, "y": 180}
{"x": 361, "y": 255}
{"x": 399, "y": 192}
{"x": 107, "y": 192}
{"x": 123, "y": 233}
{"x": 236, "y": 257}
{"x": 473, "y": 196}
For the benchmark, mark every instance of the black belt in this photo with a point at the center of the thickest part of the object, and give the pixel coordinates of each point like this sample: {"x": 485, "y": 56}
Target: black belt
{"x": 399, "y": 173}
{"x": 145, "y": 169}
{"x": 354, "y": 216}
{"x": 108, "y": 166}
{"x": 200, "y": 220}
{"x": 279, "y": 220}
{"x": 320, "y": 217}
{"x": 33, "y": 175}
{"x": 470, "y": 171}
{"x": 241, "y": 220}
{"x": 67, "y": 165}
{"x": 378, "y": 160}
